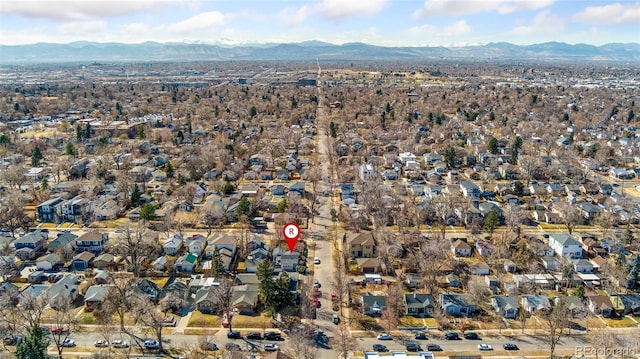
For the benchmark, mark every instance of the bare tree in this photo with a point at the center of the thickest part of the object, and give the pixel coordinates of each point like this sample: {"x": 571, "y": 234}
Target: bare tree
{"x": 224, "y": 299}
{"x": 134, "y": 244}
{"x": 572, "y": 217}
{"x": 62, "y": 321}
{"x": 394, "y": 305}
{"x": 434, "y": 252}
{"x": 346, "y": 343}
{"x": 12, "y": 213}
{"x": 556, "y": 320}
{"x": 301, "y": 343}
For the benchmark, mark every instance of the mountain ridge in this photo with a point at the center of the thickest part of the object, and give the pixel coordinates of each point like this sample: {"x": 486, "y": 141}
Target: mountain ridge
{"x": 83, "y": 51}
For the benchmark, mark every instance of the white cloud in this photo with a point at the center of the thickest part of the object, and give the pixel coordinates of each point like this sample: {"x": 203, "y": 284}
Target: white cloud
{"x": 137, "y": 28}
{"x": 612, "y": 14}
{"x": 64, "y": 10}
{"x": 544, "y": 22}
{"x": 457, "y": 28}
{"x": 82, "y": 28}
{"x": 433, "y": 8}
{"x": 335, "y": 10}
{"x": 198, "y": 22}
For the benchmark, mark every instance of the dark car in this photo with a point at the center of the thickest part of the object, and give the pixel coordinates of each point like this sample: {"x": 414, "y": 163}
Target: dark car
{"x": 471, "y": 336}
{"x": 273, "y": 336}
{"x": 254, "y": 335}
{"x": 451, "y": 336}
{"x": 412, "y": 347}
{"x": 380, "y": 348}
{"x": 434, "y": 348}
{"x": 234, "y": 335}
{"x": 11, "y": 340}
{"x": 509, "y": 346}
{"x": 420, "y": 336}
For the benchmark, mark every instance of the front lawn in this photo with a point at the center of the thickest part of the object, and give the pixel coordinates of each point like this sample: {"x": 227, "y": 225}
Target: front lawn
{"x": 624, "y": 322}
{"x": 409, "y": 321}
{"x": 199, "y": 319}
{"x": 247, "y": 321}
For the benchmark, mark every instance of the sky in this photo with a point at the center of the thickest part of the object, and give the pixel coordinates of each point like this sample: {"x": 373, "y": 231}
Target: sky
{"x": 377, "y": 22}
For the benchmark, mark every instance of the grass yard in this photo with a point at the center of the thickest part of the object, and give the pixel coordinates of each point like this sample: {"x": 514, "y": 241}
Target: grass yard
{"x": 160, "y": 281}
{"x": 246, "y": 321}
{"x": 198, "y": 319}
{"x": 409, "y": 321}
{"x": 624, "y": 322}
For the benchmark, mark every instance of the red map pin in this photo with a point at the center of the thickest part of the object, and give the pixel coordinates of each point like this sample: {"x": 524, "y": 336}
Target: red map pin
{"x": 291, "y": 233}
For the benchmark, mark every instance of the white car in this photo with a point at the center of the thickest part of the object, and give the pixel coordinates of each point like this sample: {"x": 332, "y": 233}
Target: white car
{"x": 384, "y": 336}
{"x": 119, "y": 343}
{"x": 484, "y": 347}
{"x": 101, "y": 343}
{"x": 316, "y": 260}
{"x": 270, "y": 347}
{"x": 68, "y": 343}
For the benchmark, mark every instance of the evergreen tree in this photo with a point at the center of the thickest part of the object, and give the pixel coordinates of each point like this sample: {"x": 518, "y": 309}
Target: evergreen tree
{"x": 136, "y": 194}
{"x": 69, "y": 149}
{"x": 34, "y": 346}
{"x": 44, "y": 184}
{"x": 169, "y": 169}
{"x": 282, "y": 206}
{"x": 140, "y": 133}
{"x": 87, "y": 131}
{"x": 148, "y": 211}
{"x": 491, "y": 222}
{"x": 244, "y": 208}
{"x": 36, "y": 157}
{"x": 450, "y": 157}
{"x": 492, "y": 145}
{"x": 79, "y": 133}
{"x": 628, "y": 237}
{"x": 333, "y": 129}
{"x": 228, "y": 188}
{"x": 217, "y": 266}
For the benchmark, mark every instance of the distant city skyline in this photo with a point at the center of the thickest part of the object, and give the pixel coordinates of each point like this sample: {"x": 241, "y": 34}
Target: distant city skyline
{"x": 378, "y": 22}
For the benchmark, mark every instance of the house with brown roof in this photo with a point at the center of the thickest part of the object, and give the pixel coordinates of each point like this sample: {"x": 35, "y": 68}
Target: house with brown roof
{"x": 600, "y": 305}
{"x": 461, "y": 248}
{"x": 361, "y": 245}
{"x": 369, "y": 265}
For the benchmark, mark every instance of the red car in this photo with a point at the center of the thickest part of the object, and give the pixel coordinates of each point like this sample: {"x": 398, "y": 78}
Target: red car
{"x": 60, "y": 330}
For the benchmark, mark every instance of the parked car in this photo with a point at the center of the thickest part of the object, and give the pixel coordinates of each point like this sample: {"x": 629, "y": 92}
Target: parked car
{"x": 316, "y": 284}
{"x": 234, "y": 335}
{"x": 433, "y": 347}
{"x": 384, "y": 336}
{"x": 100, "y": 343}
{"x": 60, "y": 330}
{"x": 380, "y": 348}
{"x": 484, "y": 346}
{"x": 254, "y": 335}
{"x": 270, "y": 347}
{"x": 335, "y": 319}
{"x": 420, "y": 336}
{"x": 232, "y": 346}
{"x": 151, "y": 344}
{"x": 451, "y": 336}
{"x": 510, "y": 346}
{"x": 209, "y": 346}
{"x": 119, "y": 343}
{"x": 412, "y": 347}
{"x": 316, "y": 260}
{"x": 273, "y": 336}
{"x": 67, "y": 343}
{"x": 9, "y": 340}
{"x": 471, "y": 336}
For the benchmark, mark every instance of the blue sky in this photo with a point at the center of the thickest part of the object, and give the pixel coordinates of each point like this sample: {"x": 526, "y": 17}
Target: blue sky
{"x": 379, "y": 22}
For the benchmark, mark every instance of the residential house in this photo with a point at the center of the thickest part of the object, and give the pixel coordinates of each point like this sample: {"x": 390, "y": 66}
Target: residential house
{"x": 470, "y": 189}
{"x": 506, "y": 305}
{"x": 148, "y": 288}
{"x": 277, "y": 190}
{"x": 299, "y": 188}
{"x": 627, "y": 303}
{"x": 509, "y": 266}
{"x": 361, "y": 245}
{"x": 82, "y": 261}
{"x": 196, "y": 244}
{"x": 75, "y": 210}
{"x": 160, "y": 264}
{"x": 457, "y": 304}
{"x": 565, "y": 245}
{"x": 589, "y": 211}
{"x": 600, "y": 305}
{"x": 533, "y": 303}
{"x": 50, "y": 210}
{"x": 105, "y": 261}
{"x": 95, "y": 296}
{"x": 582, "y": 266}
{"x": 65, "y": 242}
{"x": 173, "y": 244}
{"x": 479, "y": 268}
{"x": 373, "y": 305}
{"x": 285, "y": 261}
{"x": 369, "y": 265}
{"x": 105, "y": 209}
{"x": 63, "y": 291}
{"x": 245, "y": 298}
{"x": 30, "y": 245}
{"x": 366, "y": 171}
{"x": 186, "y": 263}
{"x": 485, "y": 248}
{"x": 461, "y": 248}
{"x": 92, "y": 241}
{"x": 551, "y": 263}
{"x": 453, "y": 280}
{"x": 419, "y": 305}
{"x": 49, "y": 262}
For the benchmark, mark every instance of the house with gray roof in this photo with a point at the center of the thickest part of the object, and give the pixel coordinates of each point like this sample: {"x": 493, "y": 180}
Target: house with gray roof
{"x": 533, "y": 303}
{"x": 373, "y": 305}
{"x": 565, "y": 245}
{"x": 506, "y": 305}
{"x": 95, "y": 296}
{"x": 459, "y": 305}
{"x": 419, "y": 305}
{"x": 64, "y": 242}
